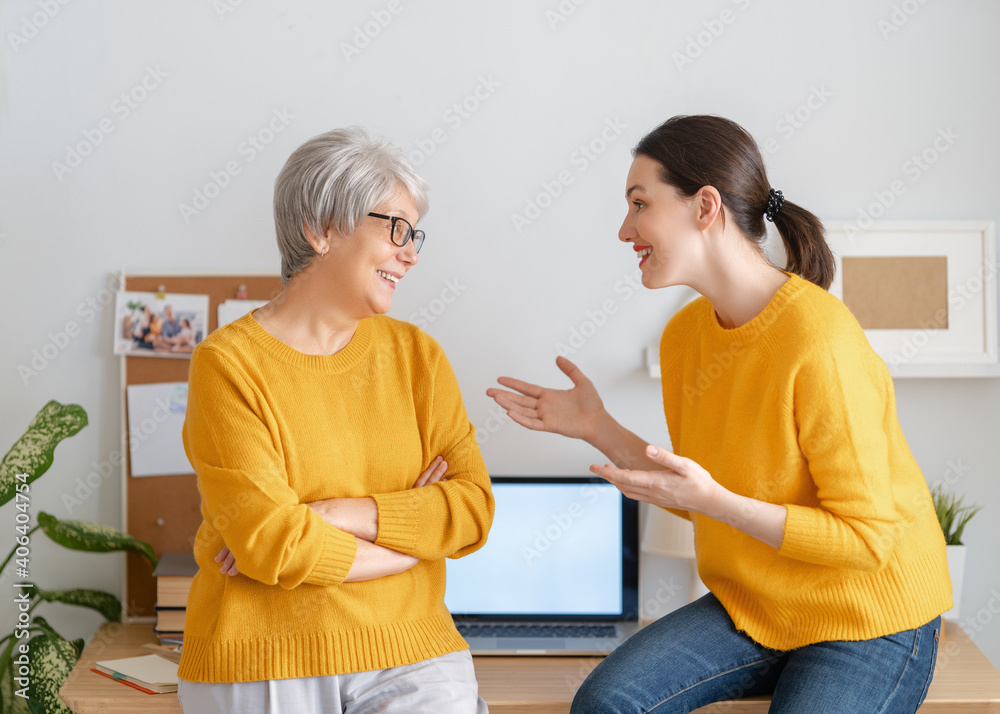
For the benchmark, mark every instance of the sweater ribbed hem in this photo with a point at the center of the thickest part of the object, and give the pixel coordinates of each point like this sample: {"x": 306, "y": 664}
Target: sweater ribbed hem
{"x": 318, "y": 654}
{"x": 898, "y": 597}
{"x": 397, "y": 521}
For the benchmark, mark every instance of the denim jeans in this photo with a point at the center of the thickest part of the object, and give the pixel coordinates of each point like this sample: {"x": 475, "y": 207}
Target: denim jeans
{"x": 694, "y": 656}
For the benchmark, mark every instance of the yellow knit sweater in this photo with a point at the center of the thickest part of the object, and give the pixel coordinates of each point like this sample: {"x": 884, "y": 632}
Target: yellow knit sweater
{"x": 269, "y": 429}
{"x": 795, "y": 408}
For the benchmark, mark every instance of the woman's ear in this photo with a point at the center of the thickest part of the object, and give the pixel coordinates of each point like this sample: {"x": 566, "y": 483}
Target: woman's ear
{"x": 320, "y": 244}
{"x": 708, "y": 206}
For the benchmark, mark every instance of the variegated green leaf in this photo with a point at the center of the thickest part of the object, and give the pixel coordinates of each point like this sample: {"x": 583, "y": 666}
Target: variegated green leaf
{"x": 32, "y": 453}
{"x": 10, "y": 703}
{"x": 92, "y": 537}
{"x": 52, "y": 659}
{"x": 105, "y": 603}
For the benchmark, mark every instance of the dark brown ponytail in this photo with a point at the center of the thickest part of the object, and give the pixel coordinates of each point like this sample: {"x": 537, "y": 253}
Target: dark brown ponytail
{"x": 703, "y": 150}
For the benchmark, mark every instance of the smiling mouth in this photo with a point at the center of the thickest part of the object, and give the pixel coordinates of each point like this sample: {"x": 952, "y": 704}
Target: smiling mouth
{"x": 643, "y": 255}
{"x": 388, "y": 277}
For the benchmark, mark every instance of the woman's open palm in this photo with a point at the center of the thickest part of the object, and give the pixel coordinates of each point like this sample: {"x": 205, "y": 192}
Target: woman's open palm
{"x": 571, "y": 412}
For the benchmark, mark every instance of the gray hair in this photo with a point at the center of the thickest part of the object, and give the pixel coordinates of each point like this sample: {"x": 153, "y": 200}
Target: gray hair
{"x": 333, "y": 181}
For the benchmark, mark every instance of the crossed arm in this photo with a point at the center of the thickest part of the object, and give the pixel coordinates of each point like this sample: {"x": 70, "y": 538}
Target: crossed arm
{"x": 359, "y": 517}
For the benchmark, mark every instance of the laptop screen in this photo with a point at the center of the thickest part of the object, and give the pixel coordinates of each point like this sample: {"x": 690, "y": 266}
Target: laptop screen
{"x": 559, "y": 548}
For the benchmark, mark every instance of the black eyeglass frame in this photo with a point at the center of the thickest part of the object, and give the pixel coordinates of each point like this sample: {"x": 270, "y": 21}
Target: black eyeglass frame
{"x": 417, "y": 236}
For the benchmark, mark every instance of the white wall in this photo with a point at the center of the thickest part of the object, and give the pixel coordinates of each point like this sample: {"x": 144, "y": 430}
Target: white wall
{"x": 547, "y": 84}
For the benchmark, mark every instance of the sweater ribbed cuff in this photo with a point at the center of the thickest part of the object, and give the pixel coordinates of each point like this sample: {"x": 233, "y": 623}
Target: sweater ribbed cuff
{"x": 339, "y": 549}
{"x": 397, "y": 520}
{"x": 803, "y": 540}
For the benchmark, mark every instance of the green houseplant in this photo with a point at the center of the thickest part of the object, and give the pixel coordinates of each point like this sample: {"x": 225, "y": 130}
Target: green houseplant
{"x": 953, "y": 515}
{"x": 34, "y": 652}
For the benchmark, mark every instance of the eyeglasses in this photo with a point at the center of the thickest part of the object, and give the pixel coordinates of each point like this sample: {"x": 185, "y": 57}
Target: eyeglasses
{"x": 402, "y": 231}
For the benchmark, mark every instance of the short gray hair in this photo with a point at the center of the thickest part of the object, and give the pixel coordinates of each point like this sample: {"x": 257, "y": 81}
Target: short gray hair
{"x": 333, "y": 181}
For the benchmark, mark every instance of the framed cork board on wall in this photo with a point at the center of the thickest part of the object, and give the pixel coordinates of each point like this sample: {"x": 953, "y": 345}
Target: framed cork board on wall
{"x": 924, "y": 291}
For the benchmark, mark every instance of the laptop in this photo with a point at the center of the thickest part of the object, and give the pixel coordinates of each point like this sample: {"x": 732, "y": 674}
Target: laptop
{"x": 559, "y": 572}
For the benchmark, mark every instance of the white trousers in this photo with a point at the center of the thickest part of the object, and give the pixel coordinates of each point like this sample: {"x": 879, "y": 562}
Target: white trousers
{"x": 440, "y": 685}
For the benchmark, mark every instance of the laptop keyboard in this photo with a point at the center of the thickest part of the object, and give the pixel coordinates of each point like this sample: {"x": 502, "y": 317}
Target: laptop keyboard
{"x": 534, "y": 630}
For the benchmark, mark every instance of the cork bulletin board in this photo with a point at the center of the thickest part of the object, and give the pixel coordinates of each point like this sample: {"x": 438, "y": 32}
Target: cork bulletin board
{"x": 165, "y": 511}
{"x": 900, "y": 293}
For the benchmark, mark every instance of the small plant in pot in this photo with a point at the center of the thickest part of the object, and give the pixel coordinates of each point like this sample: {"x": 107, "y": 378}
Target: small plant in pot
{"x": 35, "y": 659}
{"x": 954, "y": 515}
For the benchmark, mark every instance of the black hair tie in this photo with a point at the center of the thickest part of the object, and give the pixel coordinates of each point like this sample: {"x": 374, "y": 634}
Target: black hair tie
{"x": 774, "y": 203}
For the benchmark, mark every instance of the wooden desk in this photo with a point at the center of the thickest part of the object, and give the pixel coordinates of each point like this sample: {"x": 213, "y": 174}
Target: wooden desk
{"x": 964, "y": 680}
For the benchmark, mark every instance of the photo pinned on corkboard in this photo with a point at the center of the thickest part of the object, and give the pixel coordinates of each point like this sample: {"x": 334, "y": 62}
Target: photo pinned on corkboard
{"x": 159, "y": 324}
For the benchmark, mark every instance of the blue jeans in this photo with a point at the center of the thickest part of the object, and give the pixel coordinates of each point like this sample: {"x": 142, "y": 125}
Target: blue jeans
{"x": 694, "y": 656}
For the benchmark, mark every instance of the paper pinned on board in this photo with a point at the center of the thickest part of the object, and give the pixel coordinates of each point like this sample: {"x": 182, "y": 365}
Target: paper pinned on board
{"x": 230, "y": 310}
{"x": 155, "y": 424}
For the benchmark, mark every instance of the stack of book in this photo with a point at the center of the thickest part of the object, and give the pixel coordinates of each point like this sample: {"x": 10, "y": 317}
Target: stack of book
{"x": 174, "y": 574}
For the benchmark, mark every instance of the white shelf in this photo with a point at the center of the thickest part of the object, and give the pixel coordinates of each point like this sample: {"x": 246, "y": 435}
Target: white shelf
{"x": 903, "y": 371}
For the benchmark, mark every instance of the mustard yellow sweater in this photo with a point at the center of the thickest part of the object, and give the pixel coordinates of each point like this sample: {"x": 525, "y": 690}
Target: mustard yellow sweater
{"x": 795, "y": 408}
{"x": 269, "y": 429}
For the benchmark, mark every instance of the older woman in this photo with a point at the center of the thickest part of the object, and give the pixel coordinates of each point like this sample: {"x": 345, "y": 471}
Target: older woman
{"x": 336, "y": 464}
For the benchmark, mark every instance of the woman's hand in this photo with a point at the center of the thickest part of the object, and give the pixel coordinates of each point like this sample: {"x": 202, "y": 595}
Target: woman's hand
{"x": 683, "y": 484}
{"x": 359, "y": 516}
{"x": 433, "y": 473}
{"x": 686, "y": 486}
{"x": 230, "y": 561}
{"x": 575, "y": 412}
{"x": 373, "y": 561}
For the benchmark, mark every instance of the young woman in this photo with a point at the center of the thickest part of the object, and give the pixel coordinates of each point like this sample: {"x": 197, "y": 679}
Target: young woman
{"x": 814, "y": 527}
{"x": 336, "y": 464}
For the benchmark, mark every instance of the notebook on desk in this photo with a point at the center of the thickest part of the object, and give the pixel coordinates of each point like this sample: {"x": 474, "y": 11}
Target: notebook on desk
{"x": 559, "y": 572}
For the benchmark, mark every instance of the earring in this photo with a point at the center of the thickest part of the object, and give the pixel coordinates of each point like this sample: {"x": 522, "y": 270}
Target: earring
{"x": 323, "y": 254}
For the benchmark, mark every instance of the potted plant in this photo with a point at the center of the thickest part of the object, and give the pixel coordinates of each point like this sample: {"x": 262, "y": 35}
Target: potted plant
{"x": 953, "y": 515}
{"x": 34, "y": 647}
{"x": 135, "y": 310}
